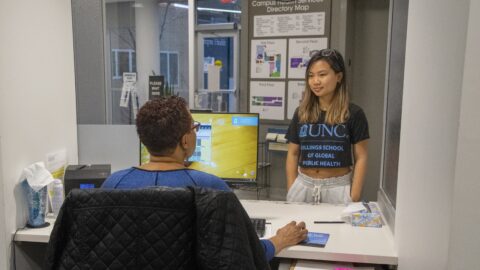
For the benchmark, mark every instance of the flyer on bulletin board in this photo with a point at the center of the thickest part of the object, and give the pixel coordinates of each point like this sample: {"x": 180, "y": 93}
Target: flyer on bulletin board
{"x": 268, "y": 59}
{"x": 296, "y": 91}
{"x": 268, "y": 99}
{"x": 300, "y": 50}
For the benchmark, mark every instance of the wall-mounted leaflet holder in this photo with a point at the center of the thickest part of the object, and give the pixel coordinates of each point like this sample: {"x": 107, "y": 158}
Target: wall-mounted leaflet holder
{"x": 271, "y": 137}
{"x": 281, "y": 138}
{"x": 276, "y": 139}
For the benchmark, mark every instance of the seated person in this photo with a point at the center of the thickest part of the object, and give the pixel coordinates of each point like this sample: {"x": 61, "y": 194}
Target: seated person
{"x": 165, "y": 126}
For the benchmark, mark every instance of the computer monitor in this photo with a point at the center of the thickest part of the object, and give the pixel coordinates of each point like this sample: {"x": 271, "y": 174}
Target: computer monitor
{"x": 227, "y": 145}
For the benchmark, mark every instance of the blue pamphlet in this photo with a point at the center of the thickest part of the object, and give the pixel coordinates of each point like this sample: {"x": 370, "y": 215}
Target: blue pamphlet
{"x": 315, "y": 239}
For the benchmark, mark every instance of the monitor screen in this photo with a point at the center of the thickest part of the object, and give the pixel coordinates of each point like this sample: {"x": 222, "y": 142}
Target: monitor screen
{"x": 227, "y": 145}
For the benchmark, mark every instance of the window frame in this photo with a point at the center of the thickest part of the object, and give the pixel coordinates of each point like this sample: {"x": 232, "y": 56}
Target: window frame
{"x": 168, "y": 76}
{"x": 115, "y": 62}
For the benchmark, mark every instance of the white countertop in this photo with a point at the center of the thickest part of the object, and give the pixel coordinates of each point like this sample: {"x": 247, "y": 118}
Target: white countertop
{"x": 39, "y": 235}
{"x": 346, "y": 243}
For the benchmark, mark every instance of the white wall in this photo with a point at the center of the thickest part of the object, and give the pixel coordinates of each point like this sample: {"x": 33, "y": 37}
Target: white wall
{"x": 37, "y": 104}
{"x": 434, "y": 61}
{"x": 465, "y": 235}
{"x": 3, "y": 251}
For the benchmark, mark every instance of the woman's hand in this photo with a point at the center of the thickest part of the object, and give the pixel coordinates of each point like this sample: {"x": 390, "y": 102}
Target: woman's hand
{"x": 289, "y": 235}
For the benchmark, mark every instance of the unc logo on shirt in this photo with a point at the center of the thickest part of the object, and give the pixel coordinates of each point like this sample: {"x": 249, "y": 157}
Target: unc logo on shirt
{"x": 323, "y": 130}
{"x": 303, "y": 131}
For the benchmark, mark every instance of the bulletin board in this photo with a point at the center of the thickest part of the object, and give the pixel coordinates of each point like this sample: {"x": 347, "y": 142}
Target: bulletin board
{"x": 282, "y": 36}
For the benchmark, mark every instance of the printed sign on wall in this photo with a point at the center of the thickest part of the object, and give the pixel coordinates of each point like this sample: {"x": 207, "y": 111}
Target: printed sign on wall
{"x": 268, "y": 99}
{"x": 268, "y": 58}
{"x": 295, "y": 95}
{"x": 299, "y": 52}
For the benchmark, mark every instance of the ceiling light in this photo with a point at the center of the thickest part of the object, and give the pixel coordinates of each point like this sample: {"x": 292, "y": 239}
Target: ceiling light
{"x": 209, "y": 9}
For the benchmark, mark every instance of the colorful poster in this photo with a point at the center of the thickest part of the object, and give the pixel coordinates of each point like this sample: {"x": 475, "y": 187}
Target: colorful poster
{"x": 299, "y": 52}
{"x": 268, "y": 58}
{"x": 295, "y": 95}
{"x": 268, "y": 99}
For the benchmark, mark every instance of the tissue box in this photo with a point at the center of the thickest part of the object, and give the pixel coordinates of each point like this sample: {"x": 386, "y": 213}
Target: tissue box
{"x": 367, "y": 219}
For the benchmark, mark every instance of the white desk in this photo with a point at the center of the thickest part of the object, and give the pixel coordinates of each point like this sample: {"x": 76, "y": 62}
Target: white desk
{"x": 37, "y": 235}
{"x": 346, "y": 243}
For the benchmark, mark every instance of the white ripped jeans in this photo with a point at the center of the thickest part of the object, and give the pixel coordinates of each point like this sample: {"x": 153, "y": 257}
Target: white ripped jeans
{"x": 335, "y": 190}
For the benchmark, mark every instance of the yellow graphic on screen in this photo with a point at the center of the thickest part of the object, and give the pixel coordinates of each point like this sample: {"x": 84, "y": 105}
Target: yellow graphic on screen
{"x": 226, "y": 145}
{"x": 144, "y": 155}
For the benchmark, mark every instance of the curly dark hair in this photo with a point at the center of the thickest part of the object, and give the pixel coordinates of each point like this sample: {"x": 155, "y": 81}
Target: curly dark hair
{"x": 162, "y": 122}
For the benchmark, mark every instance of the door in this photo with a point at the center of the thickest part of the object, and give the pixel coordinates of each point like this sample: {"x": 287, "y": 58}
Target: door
{"x": 217, "y": 71}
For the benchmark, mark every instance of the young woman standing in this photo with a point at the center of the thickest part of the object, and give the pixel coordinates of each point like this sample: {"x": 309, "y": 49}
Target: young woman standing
{"x": 324, "y": 134}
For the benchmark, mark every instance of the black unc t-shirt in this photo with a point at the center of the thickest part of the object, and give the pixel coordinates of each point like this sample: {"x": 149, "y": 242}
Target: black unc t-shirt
{"x": 328, "y": 146}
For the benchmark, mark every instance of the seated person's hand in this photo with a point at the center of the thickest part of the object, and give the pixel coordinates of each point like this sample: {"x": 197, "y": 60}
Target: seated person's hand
{"x": 289, "y": 235}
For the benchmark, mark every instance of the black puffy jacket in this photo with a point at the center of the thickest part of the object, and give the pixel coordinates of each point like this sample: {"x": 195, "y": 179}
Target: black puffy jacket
{"x": 154, "y": 228}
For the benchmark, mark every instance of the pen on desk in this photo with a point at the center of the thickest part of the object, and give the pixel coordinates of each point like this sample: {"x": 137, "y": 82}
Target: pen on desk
{"x": 329, "y": 222}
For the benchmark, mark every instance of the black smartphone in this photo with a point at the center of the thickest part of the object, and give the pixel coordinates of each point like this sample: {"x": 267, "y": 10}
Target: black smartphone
{"x": 315, "y": 239}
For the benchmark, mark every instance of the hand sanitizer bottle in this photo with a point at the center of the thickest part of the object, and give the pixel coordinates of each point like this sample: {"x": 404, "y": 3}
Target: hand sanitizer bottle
{"x": 58, "y": 196}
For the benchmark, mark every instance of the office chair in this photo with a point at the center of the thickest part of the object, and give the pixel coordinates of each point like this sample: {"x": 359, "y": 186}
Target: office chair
{"x": 154, "y": 228}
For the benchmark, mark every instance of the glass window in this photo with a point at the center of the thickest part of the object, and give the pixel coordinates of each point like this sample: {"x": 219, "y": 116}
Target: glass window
{"x": 218, "y": 11}
{"x": 123, "y": 60}
{"x": 169, "y": 67}
{"x": 173, "y": 68}
{"x": 132, "y": 50}
{"x": 220, "y": 49}
{"x": 164, "y": 64}
{"x": 174, "y": 42}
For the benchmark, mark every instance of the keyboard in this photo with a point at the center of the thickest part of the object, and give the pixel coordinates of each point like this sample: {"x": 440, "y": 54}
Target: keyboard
{"x": 259, "y": 225}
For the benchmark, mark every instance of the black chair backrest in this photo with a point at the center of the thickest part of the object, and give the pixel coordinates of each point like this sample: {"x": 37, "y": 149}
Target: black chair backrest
{"x": 124, "y": 229}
